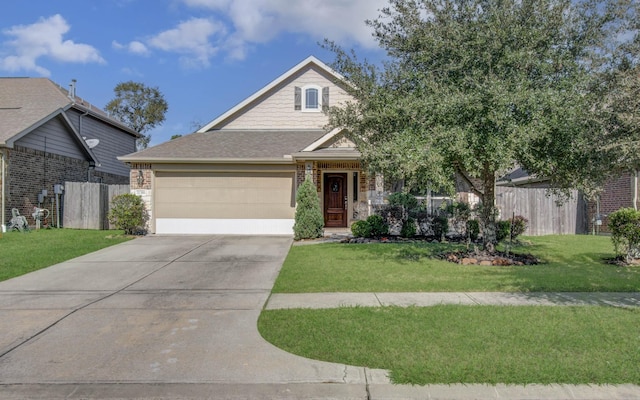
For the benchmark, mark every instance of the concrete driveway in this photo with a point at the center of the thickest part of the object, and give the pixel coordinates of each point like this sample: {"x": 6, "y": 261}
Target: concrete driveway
{"x": 158, "y": 309}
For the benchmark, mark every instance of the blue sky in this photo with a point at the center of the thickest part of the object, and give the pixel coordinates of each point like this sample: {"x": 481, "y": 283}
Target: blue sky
{"x": 205, "y": 56}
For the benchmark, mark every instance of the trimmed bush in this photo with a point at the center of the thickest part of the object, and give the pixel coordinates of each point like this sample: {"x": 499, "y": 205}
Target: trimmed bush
{"x": 128, "y": 213}
{"x": 440, "y": 226}
{"x": 503, "y": 229}
{"x": 309, "y": 221}
{"x": 518, "y": 225}
{"x": 378, "y": 226}
{"x": 625, "y": 232}
{"x": 407, "y": 200}
{"x": 473, "y": 229}
{"x": 408, "y": 228}
{"x": 361, "y": 229}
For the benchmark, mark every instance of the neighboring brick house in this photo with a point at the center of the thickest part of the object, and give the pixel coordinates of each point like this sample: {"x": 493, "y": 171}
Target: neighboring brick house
{"x": 617, "y": 192}
{"x": 48, "y": 136}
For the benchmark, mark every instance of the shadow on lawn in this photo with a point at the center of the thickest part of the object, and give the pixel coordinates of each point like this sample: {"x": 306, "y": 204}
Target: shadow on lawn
{"x": 558, "y": 271}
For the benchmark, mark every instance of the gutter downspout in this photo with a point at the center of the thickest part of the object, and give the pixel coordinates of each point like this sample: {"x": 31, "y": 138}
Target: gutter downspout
{"x": 3, "y": 227}
{"x": 91, "y": 168}
{"x": 635, "y": 189}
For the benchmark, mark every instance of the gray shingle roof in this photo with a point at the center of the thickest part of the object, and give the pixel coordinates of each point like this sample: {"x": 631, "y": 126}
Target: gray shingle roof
{"x": 229, "y": 144}
{"x": 27, "y": 101}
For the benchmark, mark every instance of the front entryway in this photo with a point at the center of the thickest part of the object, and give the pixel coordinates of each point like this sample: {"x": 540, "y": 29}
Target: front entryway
{"x": 335, "y": 200}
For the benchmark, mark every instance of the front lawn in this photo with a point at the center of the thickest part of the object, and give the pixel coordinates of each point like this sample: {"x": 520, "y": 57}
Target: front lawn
{"x": 463, "y": 344}
{"x": 570, "y": 263}
{"x": 469, "y": 344}
{"x": 21, "y": 253}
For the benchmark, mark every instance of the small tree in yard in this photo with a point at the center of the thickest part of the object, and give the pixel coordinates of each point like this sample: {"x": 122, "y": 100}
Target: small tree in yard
{"x": 309, "y": 223}
{"x": 625, "y": 232}
{"x": 128, "y": 213}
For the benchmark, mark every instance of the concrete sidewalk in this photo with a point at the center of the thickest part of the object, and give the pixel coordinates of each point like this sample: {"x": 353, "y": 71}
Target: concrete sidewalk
{"x": 333, "y": 300}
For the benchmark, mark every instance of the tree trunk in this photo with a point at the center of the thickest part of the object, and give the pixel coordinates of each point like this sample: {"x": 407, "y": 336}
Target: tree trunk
{"x": 489, "y": 211}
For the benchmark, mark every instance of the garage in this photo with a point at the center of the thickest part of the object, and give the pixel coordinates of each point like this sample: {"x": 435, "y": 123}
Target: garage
{"x": 224, "y": 202}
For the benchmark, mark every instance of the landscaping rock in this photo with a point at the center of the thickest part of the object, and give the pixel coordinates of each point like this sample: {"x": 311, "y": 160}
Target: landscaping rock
{"x": 469, "y": 261}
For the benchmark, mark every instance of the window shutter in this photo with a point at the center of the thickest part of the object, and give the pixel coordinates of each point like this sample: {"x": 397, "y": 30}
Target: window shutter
{"x": 297, "y": 99}
{"x": 325, "y": 98}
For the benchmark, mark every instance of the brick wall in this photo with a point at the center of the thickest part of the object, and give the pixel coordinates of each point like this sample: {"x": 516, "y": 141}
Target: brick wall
{"x": 617, "y": 193}
{"x": 30, "y": 171}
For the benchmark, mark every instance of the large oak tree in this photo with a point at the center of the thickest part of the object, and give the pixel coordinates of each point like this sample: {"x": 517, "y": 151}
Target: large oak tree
{"x": 473, "y": 88}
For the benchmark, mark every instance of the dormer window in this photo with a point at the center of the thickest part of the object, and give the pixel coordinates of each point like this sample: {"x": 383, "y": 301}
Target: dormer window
{"x": 311, "y": 99}
{"x": 308, "y": 98}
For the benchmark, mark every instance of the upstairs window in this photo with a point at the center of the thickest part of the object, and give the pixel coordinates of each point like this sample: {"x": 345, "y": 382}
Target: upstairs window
{"x": 309, "y": 98}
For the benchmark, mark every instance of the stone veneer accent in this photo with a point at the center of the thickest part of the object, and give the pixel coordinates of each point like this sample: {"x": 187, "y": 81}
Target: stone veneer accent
{"x": 143, "y": 190}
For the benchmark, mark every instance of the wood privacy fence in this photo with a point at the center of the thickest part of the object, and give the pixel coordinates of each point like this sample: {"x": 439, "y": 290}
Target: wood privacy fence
{"x": 86, "y": 204}
{"x": 545, "y": 215}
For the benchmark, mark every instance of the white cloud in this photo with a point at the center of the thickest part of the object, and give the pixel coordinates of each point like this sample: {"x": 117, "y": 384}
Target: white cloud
{"x": 191, "y": 39}
{"x": 259, "y": 21}
{"x": 44, "y": 39}
{"x": 134, "y": 47}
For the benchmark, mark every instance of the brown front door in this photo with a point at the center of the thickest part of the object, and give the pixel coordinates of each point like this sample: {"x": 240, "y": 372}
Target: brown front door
{"x": 335, "y": 200}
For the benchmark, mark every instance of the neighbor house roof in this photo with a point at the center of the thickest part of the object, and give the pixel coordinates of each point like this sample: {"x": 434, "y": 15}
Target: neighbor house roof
{"x": 518, "y": 176}
{"x": 27, "y": 103}
{"x": 229, "y": 146}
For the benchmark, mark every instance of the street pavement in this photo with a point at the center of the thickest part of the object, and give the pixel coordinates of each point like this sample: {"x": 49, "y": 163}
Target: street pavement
{"x": 174, "y": 317}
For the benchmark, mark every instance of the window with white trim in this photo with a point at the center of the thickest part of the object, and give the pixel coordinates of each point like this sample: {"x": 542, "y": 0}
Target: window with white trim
{"x": 311, "y": 98}
{"x": 311, "y": 101}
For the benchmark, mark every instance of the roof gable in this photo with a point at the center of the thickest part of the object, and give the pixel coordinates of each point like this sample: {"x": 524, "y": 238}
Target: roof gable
{"x": 311, "y": 68}
{"x": 26, "y": 103}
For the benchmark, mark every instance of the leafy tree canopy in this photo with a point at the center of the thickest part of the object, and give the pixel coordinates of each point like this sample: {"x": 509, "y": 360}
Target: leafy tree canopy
{"x": 474, "y": 88}
{"x": 140, "y": 107}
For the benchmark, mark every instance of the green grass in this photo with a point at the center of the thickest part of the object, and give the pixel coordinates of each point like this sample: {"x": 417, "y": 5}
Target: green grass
{"x": 21, "y": 253}
{"x": 469, "y": 344}
{"x": 570, "y": 263}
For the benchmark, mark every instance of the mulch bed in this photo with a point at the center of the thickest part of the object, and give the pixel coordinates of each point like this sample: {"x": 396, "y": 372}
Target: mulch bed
{"x": 464, "y": 257}
{"x": 484, "y": 258}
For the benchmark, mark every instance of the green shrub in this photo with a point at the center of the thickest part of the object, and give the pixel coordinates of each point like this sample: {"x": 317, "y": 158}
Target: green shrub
{"x": 625, "y": 231}
{"x": 128, "y": 213}
{"x": 473, "y": 229}
{"x": 518, "y": 225}
{"x": 440, "y": 226}
{"x": 378, "y": 226}
{"x": 408, "y": 228}
{"x": 407, "y": 200}
{"x": 309, "y": 221}
{"x": 361, "y": 229}
{"x": 503, "y": 229}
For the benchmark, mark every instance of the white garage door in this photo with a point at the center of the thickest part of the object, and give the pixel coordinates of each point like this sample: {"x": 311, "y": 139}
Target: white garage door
{"x": 224, "y": 203}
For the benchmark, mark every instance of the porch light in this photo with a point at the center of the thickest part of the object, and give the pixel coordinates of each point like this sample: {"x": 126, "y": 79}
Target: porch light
{"x": 140, "y": 177}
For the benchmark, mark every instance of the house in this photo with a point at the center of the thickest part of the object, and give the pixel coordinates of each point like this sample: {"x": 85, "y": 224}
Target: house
{"x": 48, "y": 135}
{"x": 620, "y": 191}
{"x": 239, "y": 173}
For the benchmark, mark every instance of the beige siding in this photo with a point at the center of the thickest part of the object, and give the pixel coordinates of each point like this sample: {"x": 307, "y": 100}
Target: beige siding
{"x": 276, "y": 109}
{"x": 224, "y": 195}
